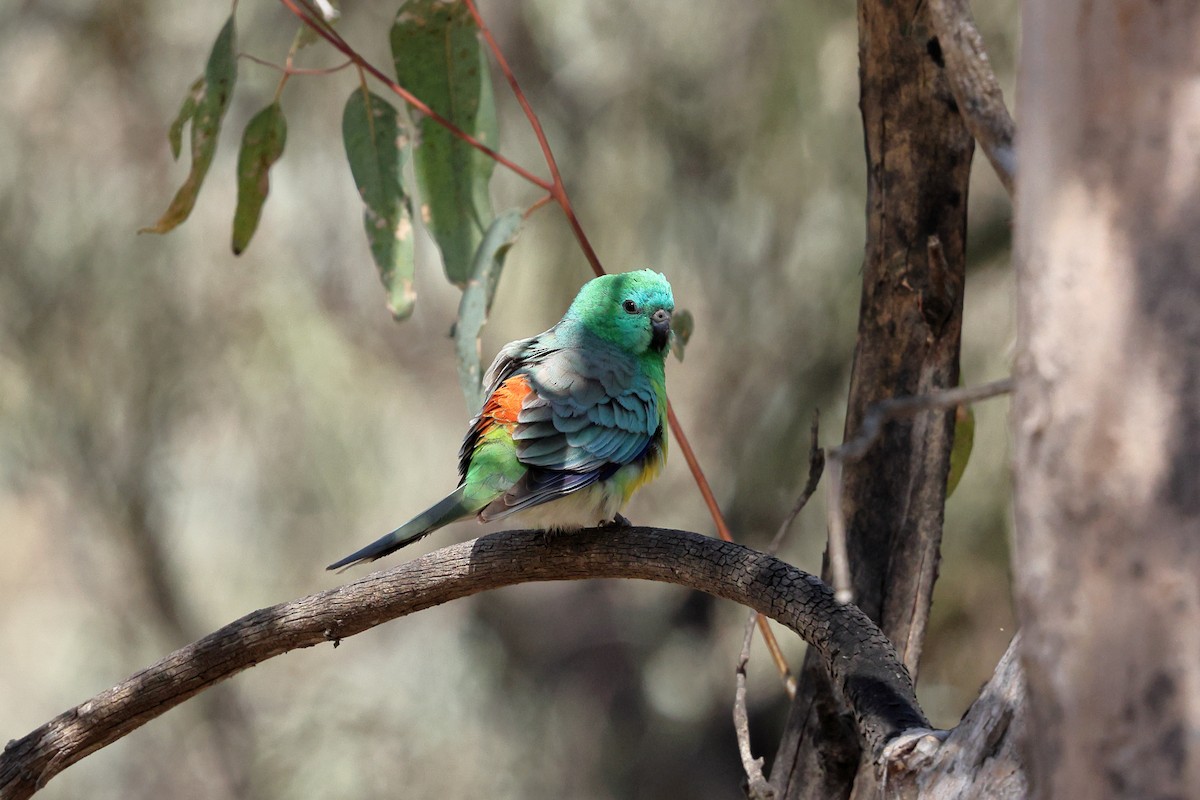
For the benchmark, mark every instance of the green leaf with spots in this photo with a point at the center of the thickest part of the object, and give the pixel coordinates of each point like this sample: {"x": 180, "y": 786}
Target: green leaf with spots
{"x": 376, "y": 147}
{"x": 964, "y": 442}
{"x": 186, "y": 114}
{"x": 219, "y": 77}
{"x": 682, "y": 326}
{"x": 476, "y": 302}
{"x": 262, "y": 145}
{"x": 439, "y": 58}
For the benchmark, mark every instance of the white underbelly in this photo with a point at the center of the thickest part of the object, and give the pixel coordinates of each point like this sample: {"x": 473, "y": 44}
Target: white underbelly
{"x": 591, "y": 506}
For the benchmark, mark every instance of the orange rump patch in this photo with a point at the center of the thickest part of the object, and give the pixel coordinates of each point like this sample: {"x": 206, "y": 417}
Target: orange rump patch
{"x": 504, "y": 404}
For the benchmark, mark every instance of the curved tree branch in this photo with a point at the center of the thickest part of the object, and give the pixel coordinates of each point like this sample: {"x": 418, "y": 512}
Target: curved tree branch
{"x": 861, "y": 660}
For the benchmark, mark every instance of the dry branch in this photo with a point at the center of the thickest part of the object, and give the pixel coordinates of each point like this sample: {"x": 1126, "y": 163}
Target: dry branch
{"x": 881, "y": 412}
{"x": 862, "y": 662}
{"x": 757, "y": 787}
{"x": 868, "y": 433}
{"x": 974, "y": 85}
{"x": 816, "y": 468}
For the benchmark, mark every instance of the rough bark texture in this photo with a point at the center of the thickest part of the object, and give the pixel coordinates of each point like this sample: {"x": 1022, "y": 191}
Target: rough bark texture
{"x": 1107, "y": 406}
{"x": 862, "y": 661}
{"x": 918, "y": 166}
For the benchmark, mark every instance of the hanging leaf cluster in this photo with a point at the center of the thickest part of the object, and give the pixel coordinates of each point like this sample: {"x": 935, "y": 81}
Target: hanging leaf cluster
{"x": 439, "y": 58}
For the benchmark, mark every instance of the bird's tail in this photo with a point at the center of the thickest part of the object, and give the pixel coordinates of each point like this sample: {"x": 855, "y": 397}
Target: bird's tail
{"x": 452, "y": 508}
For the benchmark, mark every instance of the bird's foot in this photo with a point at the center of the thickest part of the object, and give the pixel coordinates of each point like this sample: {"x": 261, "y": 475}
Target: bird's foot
{"x": 620, "y": 521}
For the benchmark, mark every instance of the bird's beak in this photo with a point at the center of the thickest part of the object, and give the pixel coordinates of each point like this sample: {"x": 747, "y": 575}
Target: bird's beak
{"x": 660, "y": 329}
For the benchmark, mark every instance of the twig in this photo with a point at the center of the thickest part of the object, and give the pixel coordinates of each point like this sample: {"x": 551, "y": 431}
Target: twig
{"x": 862, "y": 662}
{"x": 839, "y": 558}
{"x": 296, "y": 70}
{"x": 894, "y": 407}
{"x": 816, "y": 466}
{"x": 856, "y": 448}
{"x": 558, "y": 190}
{"x": 974, "y": 85}
{"x": 541, "y": 201}
{"x": 756, "y": 784}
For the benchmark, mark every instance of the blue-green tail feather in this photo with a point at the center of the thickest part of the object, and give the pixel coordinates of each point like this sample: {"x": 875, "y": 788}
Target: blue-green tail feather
{"x": 452, "y": 508}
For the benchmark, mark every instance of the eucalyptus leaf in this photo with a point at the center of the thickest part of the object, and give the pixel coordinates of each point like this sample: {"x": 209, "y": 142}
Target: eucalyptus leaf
{"x": 683, "y": 324}
{"x": 262, "y": 145}
{"x": 476, "y": 302}
{"x": 219, "y": 77}
{"x": 376, "y": 147}
{"x": 439, "y": 58}
{"x": 186, "y": 114}
{"x": 964, "y": 442}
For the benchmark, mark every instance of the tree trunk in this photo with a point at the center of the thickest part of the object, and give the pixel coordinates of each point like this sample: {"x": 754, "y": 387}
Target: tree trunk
{"x": 1107, "y": 411}
{"x": 918, "y": 167}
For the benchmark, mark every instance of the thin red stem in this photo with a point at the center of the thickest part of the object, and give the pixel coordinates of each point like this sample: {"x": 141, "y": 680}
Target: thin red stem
{"x": 534, "y": 122}
{"x": 706, "y": 491}
{"x": 559, "y": 190}
{"x": 714, "y": 509}
{"x": 541, "y": 201}
{"x": 577, "y": 229}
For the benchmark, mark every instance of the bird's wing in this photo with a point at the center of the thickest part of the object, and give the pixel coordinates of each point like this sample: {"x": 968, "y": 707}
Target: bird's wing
{"x": 501, "y": 405}
{"x": 588, "y": 411}
{"x": 587, "y": 407}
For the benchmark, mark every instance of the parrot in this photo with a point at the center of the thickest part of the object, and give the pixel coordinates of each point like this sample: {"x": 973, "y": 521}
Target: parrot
{"x": 573, "y": 421}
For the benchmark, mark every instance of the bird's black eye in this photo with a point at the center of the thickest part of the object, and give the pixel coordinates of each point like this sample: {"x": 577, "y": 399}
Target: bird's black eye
{"x": 630, "y": 307}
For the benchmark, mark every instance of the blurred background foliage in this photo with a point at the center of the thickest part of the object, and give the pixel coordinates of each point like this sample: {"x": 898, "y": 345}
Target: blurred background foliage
{"x": 186, "y": 436}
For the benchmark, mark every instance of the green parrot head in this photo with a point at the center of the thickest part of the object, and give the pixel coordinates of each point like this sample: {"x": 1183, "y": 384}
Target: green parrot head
{"x": 630, "y": 309}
